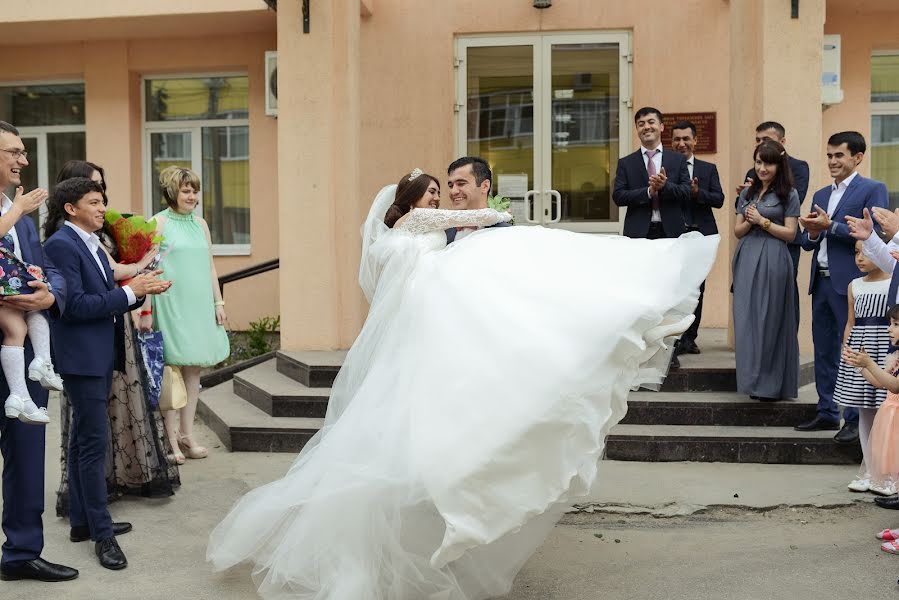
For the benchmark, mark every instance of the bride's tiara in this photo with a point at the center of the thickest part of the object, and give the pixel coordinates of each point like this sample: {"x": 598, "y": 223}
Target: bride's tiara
{"x": 415, "y": 173}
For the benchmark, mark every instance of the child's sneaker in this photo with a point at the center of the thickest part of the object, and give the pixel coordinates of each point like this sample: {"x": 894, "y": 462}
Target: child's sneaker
{"x": 25, "y": 410}
{"x": 42, "y": 370}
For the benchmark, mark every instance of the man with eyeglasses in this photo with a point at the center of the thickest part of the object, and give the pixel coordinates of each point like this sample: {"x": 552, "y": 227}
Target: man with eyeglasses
{"x": 22, "y": 445}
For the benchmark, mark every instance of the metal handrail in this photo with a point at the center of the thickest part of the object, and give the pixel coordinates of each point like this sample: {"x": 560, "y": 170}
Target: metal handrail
{"x": 264, "y": 267}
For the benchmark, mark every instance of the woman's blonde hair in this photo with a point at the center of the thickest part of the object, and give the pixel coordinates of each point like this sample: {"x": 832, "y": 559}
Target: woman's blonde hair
{"x": 172, "y": 178}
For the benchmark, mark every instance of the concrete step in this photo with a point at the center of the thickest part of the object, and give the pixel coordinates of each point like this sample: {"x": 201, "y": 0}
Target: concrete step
{"x": 704, "y": 443}
{"x": 267, "y": 389}
{"x": 716, "y": 371}
{"x": 718, "y": 408}
{"x": 244, "y": 428}
{"x": 312, "y": 369}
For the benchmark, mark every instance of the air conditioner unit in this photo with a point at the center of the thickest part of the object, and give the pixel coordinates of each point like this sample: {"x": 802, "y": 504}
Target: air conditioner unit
{"x": 831, "y": 80}
{"x": 271, "y": 83}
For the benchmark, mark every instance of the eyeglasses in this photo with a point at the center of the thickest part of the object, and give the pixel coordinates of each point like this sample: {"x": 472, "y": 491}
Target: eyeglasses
{"x": 16, "y": 153}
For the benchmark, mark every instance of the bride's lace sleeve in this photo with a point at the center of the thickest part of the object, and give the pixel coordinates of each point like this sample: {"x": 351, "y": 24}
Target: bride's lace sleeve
{"x": 422, "y": 220}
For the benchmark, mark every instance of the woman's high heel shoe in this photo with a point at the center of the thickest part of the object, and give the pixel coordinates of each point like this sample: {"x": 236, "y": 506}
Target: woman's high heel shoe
{"x": 175, "y": 458}
{"x": 191, "y": 451}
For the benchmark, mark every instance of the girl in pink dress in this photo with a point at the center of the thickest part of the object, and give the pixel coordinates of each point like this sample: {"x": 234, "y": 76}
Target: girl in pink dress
{"x": 883, "y": 450}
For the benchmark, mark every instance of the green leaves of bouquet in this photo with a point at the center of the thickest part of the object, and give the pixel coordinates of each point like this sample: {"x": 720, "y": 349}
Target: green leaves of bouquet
{"x": 500, "y": 204}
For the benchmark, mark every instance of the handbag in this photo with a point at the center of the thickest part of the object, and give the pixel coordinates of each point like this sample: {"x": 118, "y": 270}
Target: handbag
{"x": 150, "y": 345}
{"x": 174, "y": 394}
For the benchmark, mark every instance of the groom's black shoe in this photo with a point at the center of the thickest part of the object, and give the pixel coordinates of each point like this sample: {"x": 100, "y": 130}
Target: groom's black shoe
{"x": 110, "y": 555}
{"x": 39, "y": 570}
{"x": 82, "y": 534}
{"x": 891, "y": 502}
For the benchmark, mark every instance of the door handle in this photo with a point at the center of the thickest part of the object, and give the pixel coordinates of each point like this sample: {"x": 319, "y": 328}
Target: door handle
{"x": 529, "y": 206}
{"x": 557, "y": 200}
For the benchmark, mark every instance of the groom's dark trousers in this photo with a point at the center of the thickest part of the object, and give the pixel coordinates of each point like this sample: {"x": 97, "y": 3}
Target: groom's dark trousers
{"x": 22, "y": 445}
{"x": 84, "y": 347}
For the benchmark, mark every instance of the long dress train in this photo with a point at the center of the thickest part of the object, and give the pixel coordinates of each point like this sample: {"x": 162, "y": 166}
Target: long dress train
{"x": 471, "y": 411}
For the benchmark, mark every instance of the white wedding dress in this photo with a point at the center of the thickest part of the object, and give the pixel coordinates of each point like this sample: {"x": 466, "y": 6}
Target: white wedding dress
{"x": 470, "y": 412}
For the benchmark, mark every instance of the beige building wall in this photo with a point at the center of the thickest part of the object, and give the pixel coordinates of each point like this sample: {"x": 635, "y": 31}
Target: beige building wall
{"x": 112, "y": 71}
{"x": 406, "y": 87}
{"x": 861, "y": 35}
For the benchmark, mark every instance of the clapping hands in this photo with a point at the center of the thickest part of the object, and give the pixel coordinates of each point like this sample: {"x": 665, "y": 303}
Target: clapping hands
{"x": 31, "y": 201}
{"x": 888, "y": 220}
{"x": 857, "y": 358}
{"x": 658, "y": 181}
{"x": 861, "y": 229}
{"x": 751, "y": 214}
{"x": 816, "y": 221}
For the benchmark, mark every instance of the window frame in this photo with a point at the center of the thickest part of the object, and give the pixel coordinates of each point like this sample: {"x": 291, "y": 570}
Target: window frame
{"x": 195, "y": 128}
{"x": 45, "y": 179}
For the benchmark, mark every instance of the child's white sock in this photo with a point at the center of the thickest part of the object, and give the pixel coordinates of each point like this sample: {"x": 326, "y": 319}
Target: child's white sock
{"x": 12, "y": 360}
{"x": 39, "y": 334}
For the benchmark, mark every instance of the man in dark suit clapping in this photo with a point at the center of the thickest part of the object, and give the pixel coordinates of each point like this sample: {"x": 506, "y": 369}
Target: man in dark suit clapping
{"x": 84, "y": 345}
{"x": 652, "y": 184}
{"x": 705, "y": 194}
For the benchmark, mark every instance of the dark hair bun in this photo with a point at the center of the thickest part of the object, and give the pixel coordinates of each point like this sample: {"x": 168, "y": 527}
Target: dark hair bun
{"x": 393, "y": 215}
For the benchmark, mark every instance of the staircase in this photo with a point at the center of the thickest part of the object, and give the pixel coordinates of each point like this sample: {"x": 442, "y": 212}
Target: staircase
{"x": 276, "y": 406}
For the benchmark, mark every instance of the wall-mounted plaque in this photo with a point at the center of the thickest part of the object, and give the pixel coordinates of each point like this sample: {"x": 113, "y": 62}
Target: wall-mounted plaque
{"x": 706, "y": 130}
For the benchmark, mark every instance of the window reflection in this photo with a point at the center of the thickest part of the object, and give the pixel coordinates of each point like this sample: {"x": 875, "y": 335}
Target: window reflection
{"x": 42, "y": 105}
{"x": 197, "y": 98}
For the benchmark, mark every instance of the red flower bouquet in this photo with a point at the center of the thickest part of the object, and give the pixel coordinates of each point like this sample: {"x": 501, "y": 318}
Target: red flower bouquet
{"x": 133, "y": 235}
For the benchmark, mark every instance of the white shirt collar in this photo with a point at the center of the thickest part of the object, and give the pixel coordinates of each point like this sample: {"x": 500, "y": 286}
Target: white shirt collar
{"x": 5, "y": 203}
{"x": 845, "y": 183}
{"x": 91, "y": 239}
{"x": 690, "y": 160}
{"x": 644, "y": 149}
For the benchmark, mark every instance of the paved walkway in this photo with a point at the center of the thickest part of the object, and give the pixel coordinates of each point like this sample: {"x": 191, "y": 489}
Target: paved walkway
{"x": 671, "y": 543}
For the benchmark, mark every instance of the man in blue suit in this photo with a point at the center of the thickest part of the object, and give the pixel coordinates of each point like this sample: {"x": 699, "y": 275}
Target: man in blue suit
{"x": 654, "y": 185}
{"x": 22, "y": 445}
{"x": 83, "y": 353}
{"x": 705, "y": 194}
{"x": 827, "y": 235}
{"x": 469, "y": 182}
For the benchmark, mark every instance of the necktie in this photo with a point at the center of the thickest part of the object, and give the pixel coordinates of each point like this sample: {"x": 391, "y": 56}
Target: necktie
{"x": 651, "y": 169}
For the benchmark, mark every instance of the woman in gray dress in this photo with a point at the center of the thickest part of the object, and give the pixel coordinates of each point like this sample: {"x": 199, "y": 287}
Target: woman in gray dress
{"x": 764, "y": 302}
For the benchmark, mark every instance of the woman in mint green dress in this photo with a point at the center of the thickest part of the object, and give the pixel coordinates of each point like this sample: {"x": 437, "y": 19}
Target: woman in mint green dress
{"x": 191, "y": 314}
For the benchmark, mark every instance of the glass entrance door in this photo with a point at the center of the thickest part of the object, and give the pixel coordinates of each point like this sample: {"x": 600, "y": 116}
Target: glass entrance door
{"x": 546, "y": 111}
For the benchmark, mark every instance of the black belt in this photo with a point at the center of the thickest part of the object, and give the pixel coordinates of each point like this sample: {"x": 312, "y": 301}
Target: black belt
{"x": 823, "y": 272}
{"x": 655, "y": 225}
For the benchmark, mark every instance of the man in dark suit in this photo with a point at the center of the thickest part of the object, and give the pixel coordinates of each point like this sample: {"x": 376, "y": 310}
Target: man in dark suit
{"x": 772, "y": 130}
{"x": 705, "y": 194}
{"x": 469, "y": 182}
{"x": 652, "y": 184}
{"x": 84, "y": 354}
{"x": 22, "y": 445}
{"x": 827, "y": 235}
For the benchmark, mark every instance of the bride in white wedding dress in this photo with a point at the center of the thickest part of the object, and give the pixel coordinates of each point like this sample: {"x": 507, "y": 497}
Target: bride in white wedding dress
{"x": 472, "y": 409}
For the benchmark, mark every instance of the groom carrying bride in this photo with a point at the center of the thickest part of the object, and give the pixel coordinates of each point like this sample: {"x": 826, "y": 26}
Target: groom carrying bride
{"x": 470, "y": 179}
